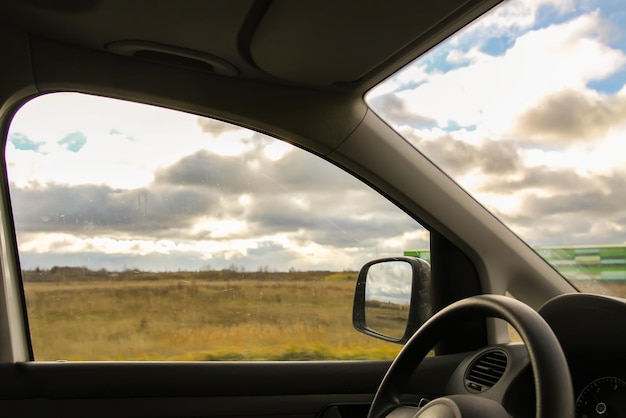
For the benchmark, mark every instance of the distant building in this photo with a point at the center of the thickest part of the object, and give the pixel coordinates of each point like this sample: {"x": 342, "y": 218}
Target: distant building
{"x": 601, "y": 262}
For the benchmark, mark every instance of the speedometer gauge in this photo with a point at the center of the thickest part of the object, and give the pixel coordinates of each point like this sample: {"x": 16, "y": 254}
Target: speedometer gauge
{"x": 604, "y": 397}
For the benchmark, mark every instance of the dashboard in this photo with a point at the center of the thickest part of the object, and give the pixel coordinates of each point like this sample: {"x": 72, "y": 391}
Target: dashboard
{"x": 592, "y": 333}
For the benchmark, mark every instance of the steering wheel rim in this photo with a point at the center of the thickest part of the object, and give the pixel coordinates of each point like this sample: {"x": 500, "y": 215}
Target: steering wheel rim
{"x": 553, "y": 385}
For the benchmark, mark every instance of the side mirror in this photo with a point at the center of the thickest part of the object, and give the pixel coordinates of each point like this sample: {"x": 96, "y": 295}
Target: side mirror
{"x": 392, "y": 298}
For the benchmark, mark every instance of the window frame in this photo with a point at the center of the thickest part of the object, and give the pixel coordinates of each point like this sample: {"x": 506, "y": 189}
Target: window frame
{"x": 311, "y": 155}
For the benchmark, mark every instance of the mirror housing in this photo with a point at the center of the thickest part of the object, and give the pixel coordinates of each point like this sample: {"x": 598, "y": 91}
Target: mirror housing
{"x": 392, "y": 298}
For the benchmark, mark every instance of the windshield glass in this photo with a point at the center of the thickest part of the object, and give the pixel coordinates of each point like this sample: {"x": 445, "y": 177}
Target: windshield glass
{"x": 526, "y": 110}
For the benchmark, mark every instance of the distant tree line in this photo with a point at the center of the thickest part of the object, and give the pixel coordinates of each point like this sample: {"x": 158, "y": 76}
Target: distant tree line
{"x": 59, "y": 274}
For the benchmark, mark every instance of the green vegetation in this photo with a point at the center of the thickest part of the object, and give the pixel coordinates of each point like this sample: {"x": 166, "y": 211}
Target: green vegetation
{"x": 79, "y": 314}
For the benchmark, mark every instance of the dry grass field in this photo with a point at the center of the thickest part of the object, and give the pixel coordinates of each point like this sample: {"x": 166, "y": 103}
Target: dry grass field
{"x": 76, "y": 314}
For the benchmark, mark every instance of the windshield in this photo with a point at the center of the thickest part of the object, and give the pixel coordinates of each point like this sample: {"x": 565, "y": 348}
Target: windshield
{"x": 526, "y": 110}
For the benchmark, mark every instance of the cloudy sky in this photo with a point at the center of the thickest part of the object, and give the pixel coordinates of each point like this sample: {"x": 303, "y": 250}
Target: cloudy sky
{"x": 107, "y": 184}
{"x": 526, "y": 109}
{"x": 389, "y": 283}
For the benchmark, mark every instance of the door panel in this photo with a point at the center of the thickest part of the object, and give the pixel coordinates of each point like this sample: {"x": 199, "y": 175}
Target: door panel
{"x": 290, "y": 389}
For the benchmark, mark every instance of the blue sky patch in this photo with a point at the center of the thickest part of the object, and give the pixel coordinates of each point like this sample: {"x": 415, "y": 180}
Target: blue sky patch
{"x": 114, "y": 131}
{"x": 548, "y": 15}
{"x": 411, "y": 85}
{"x": 22, "y": 142}
{"x": 497, "y": 46}
{"x": 609, "y": 85}
{"x": 74, "y": 141}
{"x": 437, "y": 61}
{"x": 453, "y": 125}
{"x": 612, "y": 11}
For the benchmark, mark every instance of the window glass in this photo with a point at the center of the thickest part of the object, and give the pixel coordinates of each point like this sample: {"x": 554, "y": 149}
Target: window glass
{"x": 526, "y": 109}
{"x": 150, "y": 234}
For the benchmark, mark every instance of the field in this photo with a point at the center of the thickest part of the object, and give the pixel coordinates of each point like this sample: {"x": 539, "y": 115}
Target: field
{"x": 387, "y": 318}
{"x": 77, "y": 314}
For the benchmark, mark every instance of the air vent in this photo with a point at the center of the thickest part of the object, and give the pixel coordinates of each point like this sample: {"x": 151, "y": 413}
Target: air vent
{"x": 485, "y": 371}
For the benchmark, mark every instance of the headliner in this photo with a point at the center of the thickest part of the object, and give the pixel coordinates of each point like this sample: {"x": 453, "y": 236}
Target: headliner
{"x": 326, "y": 44}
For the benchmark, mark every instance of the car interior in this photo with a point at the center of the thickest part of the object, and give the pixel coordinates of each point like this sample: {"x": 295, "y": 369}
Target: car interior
{"x": 299, "y": 71}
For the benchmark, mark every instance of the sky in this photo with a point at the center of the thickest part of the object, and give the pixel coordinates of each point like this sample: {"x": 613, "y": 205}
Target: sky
{"x": 389, "y": 282}
{"x": 101, "y": 183}
{"x": 525, "y": 109}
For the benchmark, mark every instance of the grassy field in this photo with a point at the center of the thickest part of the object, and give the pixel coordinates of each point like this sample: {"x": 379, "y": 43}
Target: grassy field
{"x": 78, "y": 314}
{"x": 89, "y": 315}
{"x": 386, "y": 317}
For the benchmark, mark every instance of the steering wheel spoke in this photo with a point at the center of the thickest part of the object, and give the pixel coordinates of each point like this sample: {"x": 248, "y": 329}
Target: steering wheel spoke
{"x": 404, "y": 412}
{"x": 454, "y": 406}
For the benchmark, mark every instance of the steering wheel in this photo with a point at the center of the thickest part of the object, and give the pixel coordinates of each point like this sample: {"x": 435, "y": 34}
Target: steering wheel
{"x": 553, "y": 385}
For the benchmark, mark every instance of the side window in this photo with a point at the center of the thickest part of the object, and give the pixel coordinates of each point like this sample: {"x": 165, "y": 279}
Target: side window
{"x": 150, "y": 234}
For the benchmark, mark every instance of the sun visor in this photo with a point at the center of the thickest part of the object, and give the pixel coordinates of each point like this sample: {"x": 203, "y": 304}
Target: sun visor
{"x": 345, "y": 40}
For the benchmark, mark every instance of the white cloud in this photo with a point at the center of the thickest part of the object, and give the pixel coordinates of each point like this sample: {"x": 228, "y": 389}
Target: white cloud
{"x": 61, "y": 243}
{"x": 514, "y": 15}
{"x": 219, "y": 228}
{"x": 493, "y": 91}
{"x": 471, "y": 113}
{"x": 554, "y": 174}
{"x": 230, "y": 144}
{"x": 245, "y": 200}
{"x": 509, "y": 19}
{"x": 126, "y": 142}
{"x": 277, "y": 150}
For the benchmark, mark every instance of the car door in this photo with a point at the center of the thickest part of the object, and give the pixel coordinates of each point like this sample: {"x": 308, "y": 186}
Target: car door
{"x": 75, "y": 190}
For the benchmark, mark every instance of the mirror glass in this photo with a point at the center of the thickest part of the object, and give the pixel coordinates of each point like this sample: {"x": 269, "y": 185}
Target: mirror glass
{"x": 388, "y": 297}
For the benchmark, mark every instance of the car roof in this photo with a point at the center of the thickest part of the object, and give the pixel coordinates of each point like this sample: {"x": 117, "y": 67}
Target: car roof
{"x": 348, "y": 45}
